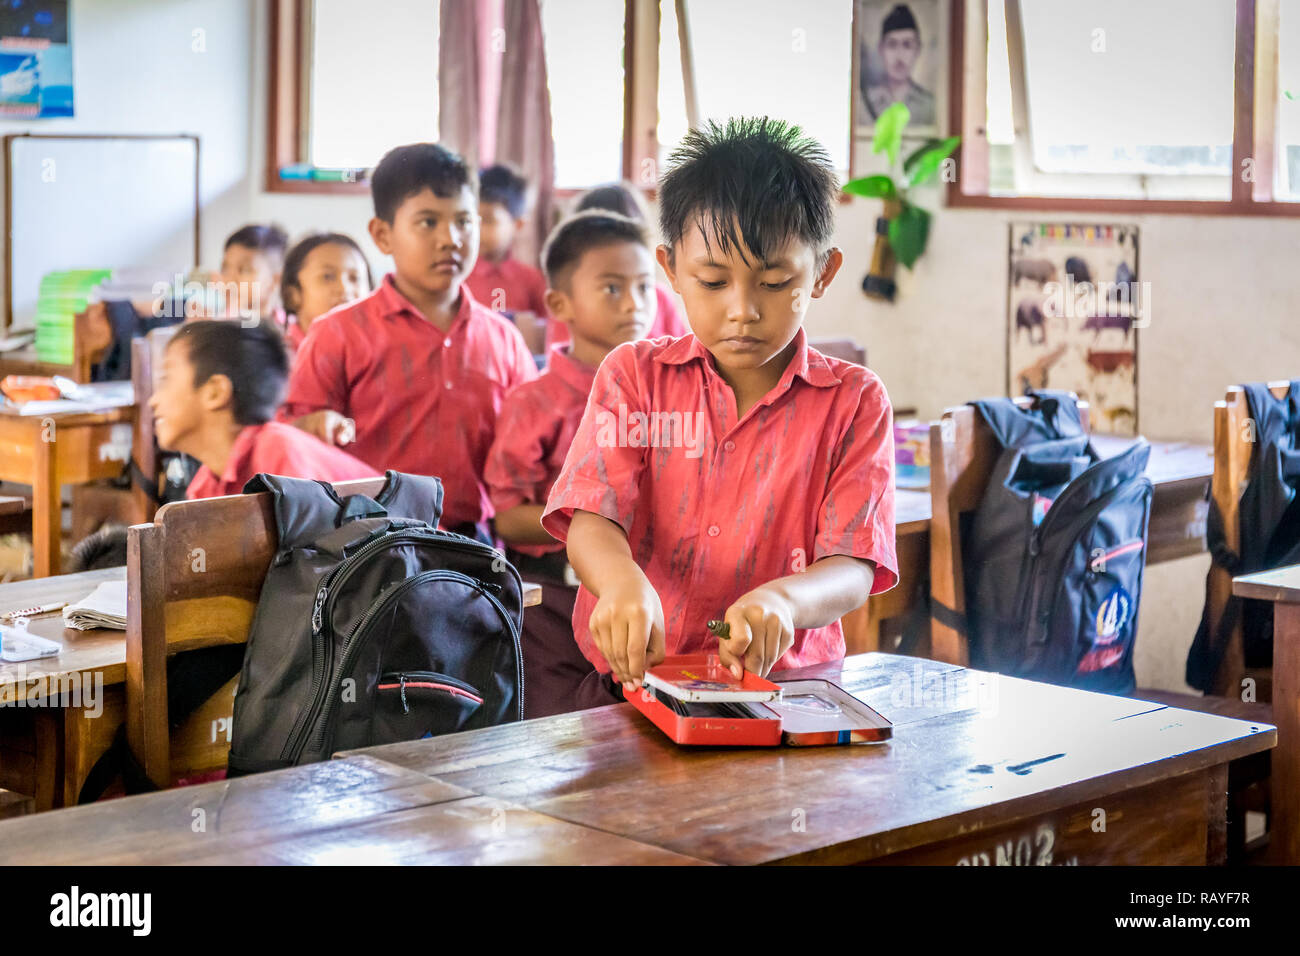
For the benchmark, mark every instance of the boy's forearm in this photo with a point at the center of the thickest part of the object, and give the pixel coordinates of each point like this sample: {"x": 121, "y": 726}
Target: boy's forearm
{"x": 598, "y": 551}
{"x": 522, "y": 524}
{"x": 827, "y": 590}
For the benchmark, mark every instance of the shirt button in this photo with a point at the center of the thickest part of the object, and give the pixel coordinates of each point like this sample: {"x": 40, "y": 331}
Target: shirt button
{"x": 729, "y": 446}
{"x": 447, "y": 341}
{"x": 714, "y": 531}
{"x": 449, "y": 384}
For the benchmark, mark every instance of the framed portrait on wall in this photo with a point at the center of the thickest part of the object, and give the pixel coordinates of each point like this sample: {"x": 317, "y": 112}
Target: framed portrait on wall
{"x": 1074, "y": 308}
{"x": 899, "y": 54}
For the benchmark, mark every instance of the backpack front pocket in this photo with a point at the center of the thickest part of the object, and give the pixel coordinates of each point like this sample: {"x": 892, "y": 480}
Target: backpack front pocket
{"x": 414, "y": 704}
{"x": 1108, "y": 615}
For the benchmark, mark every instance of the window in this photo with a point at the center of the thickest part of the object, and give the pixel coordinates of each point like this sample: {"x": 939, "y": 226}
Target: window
{"x": 795, "y": 65}
{"x": 1157, "y": 105}
{"x": 584, "y": 72}
{"x": 359, "y": 105}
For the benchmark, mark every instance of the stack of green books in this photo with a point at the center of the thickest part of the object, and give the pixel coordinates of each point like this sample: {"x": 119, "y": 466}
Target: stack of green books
{"x": 60, "y": 297}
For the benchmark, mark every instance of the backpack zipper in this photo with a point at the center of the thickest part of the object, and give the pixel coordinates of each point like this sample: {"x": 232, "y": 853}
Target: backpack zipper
{"x": 352, "y": 641}
{"x": 323, "y": 650}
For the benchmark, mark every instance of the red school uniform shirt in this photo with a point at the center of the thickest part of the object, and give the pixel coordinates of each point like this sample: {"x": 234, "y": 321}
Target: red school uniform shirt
{"x": 713, "y": 507}
{"x": 534, "y": 432}
{"x": 508, "y": 286}
{"x": 277, "y": 449}
{"x": 424, "y": 401}
{"x": 668, "y": 321}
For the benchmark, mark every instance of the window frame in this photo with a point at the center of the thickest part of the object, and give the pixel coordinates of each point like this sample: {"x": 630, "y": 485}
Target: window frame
{"x": 288, "y": 83}
{"x": 1254, "y": 128}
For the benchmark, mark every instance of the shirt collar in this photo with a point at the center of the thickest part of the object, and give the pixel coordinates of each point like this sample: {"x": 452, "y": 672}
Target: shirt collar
{"x": 240, "y": 452}
{"x": 807, "y": 363}
{"x": 392, "y": 302}
{"x": 572, "y": 372}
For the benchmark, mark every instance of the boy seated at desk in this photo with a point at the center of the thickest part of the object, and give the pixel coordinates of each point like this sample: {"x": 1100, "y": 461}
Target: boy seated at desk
{"x": 219, "y": 387}
{"x": 601, "y": 275}
{"x": 765, "y": 495}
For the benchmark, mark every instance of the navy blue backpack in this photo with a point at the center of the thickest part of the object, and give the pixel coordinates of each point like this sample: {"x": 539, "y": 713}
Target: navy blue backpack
{"x": 1055, "y": 551}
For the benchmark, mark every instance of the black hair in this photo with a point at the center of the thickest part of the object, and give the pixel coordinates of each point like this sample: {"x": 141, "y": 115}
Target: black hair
{"x": 293, "y": 262}
{"x": 899, "y": 18}
{"x": 582, "y": 232}
{"x": 406, "y": 170}
{"x": 622, "y": 198}
{"x": 253, "y": 357}
{"x": 262, "y": 238}
{"x": 764, "y": 176}
{"x": 501, "y": 184}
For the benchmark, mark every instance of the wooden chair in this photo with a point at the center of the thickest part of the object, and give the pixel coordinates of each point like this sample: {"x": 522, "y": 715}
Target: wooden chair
{"x": 146, "y": 361}
{"x": 847, "y": 349}
{"x": 194, "y": 576}
{"x": 1233, "y": 442}
{"x": 963, "y": 452}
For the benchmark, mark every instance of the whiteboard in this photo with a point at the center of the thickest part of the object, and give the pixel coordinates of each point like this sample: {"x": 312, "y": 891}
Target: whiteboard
{"x": 91, "y": 202}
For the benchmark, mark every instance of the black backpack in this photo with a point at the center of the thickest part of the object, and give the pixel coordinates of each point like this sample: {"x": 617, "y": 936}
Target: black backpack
{"x": 1055, "y": 551}
{"x": 373, "y": 626}
{"x": 1269, "y": 524}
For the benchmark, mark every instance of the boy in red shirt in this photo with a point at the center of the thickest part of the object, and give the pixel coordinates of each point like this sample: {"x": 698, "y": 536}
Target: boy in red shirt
{"x": 734, "y": 473}
{"x": 412, "y": 376}
{"x": 500, "y": 281}
{"x": 219, "y": 387}
{"x": 625, "y": 199}
{"x": 601, "y": 275}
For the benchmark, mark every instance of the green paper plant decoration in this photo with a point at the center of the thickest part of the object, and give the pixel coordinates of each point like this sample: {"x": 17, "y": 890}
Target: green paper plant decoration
{"x": 910, "y": 227}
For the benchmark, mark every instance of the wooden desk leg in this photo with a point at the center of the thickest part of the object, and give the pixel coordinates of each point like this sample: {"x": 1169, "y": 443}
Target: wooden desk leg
{"x": 1284, "y": 836}
{"x": 47, "y": 507}
{"x": 1216, "y": 826}
{"x": 49, "y": 758}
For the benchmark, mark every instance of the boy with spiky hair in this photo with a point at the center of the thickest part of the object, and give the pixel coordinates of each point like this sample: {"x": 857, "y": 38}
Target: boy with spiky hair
{"x": 756, "y": 481}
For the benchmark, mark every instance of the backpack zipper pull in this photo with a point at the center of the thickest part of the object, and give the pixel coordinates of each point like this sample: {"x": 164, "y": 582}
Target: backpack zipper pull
{"x": 401, "y": 679}
{"x": 316, "y": 611}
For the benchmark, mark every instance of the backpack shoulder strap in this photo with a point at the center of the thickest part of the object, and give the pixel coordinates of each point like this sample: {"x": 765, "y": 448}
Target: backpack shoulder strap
{"x": 303, "y": 508}
{"x": 412, "y": 496}
{"x": 1054, "y": 414}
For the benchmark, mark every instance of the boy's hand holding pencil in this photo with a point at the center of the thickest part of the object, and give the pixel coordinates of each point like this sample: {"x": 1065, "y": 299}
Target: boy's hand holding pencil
{"x": 755, "y": 632}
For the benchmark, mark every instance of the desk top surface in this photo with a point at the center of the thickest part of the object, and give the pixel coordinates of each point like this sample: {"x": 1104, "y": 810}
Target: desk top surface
{"x": 1280, "y": 584}
{"x": 99, "y": 650}
{"x": 1171, "y": 463}
{"x": 970, "y": 750}
{"x": 354, "y": 811}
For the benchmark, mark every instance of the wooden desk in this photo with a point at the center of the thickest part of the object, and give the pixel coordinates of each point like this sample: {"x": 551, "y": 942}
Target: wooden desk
{"x": 1282, "y": 587}
{"x": 1180, "y": 472}
{"x": 983, "y": 769}
{"x": 48, "y": 452}
{"x": 46, "y": 751}
{"x": 355, "y": 811}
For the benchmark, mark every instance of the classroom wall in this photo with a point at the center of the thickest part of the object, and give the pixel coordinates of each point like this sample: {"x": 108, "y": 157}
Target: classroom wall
{"x": 139, "y": 66}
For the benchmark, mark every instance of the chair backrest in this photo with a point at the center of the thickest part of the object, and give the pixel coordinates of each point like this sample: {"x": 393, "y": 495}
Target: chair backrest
{"x": 1233, "y": 443}
{"x": 847, "y": 349}
{"x": 146, "y": 360}
{"x": 963, "y": 452}
{"x": 194, "y": 576}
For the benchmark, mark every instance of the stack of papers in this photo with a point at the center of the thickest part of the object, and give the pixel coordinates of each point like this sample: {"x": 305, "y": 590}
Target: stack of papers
{"x": 83, "y": 398}
{"x": 104, "y": 607}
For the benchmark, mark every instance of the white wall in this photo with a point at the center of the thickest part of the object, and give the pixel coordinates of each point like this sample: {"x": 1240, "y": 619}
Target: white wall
{"x": 139, "y": 66}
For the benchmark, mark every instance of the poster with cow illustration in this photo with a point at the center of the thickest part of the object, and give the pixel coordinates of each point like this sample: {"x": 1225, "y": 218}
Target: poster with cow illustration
{"x": 1074, "y": 308}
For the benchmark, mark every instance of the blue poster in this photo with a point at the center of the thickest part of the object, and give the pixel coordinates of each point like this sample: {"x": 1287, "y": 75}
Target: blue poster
{"x": 35, "y": 58}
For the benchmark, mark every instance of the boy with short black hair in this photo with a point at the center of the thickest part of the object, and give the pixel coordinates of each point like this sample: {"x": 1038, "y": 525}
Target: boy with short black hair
{"x": 416, "y": 371}
{"x": 218, "y": 390}
{"x": 601, "y": 275}
{"x": 251, "y": 263}
{"x": 499, "y": 280}
{"x": 762, "y": 491}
